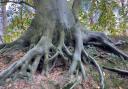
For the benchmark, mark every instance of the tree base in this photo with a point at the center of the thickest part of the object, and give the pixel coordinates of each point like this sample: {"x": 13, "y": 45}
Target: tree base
{"x": 45, "y": 53}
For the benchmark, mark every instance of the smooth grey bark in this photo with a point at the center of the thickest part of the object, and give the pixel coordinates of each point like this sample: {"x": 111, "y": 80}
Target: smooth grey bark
{"x": 3, "y": 20}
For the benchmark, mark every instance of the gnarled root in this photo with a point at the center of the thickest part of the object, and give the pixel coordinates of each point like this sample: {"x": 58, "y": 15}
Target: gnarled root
{"x": 100, "y": 39}
{"x": 23, "y": 64}
{"x": 30, "y": 62}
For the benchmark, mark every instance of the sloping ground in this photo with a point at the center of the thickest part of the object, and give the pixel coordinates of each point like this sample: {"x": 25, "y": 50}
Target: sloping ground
{"x": 55, "y": 80}
{"x": 59, "y": 78}
{"x": 7, "y": 59}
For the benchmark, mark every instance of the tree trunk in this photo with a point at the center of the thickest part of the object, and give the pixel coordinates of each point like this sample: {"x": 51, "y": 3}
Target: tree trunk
{"x": 3, "y": 21}
{"x": 54, "y": 29}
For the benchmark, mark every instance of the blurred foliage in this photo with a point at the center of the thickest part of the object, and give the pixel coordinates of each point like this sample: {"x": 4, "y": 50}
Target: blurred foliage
{"x": 20, "y": 21}
{"x": 17, "y": 28}
{"x": 109, "y": 16}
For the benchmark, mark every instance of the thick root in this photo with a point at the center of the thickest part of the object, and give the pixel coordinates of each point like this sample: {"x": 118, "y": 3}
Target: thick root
{"x": 100, "y": 39}
{"x": 42, "y": 52}
{"x": 77, "y": 54}
{"x": 23, "y": 64}
{"x": 18, "y": 65}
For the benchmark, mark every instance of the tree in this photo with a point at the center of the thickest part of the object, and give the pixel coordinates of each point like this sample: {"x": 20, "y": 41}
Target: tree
{"x": 54, "y": 30}
{"x": 3, "y": 20}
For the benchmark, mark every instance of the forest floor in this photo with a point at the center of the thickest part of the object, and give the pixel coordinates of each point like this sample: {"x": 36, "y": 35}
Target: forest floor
{"x": 57, "y": 77}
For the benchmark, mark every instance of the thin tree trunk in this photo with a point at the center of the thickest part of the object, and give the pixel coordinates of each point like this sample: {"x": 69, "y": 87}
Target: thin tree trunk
{"x": 3, "y": 21}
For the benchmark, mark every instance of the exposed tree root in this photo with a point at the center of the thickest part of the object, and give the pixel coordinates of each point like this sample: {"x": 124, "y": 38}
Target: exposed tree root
{"x": 22, "y": 64}
{"x": 77, "y": 62}
{"x": 42, "y": 51}
{"x": 119, "y": 71}
{"x": 13, "y": 46}
{"x": 48, "y": 32}
{"x": 101, "y": 39}
{"x": 98, "y": 68}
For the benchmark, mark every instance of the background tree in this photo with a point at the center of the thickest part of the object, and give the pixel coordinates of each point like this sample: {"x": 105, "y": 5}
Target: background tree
{"x": 3, "y": 20}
